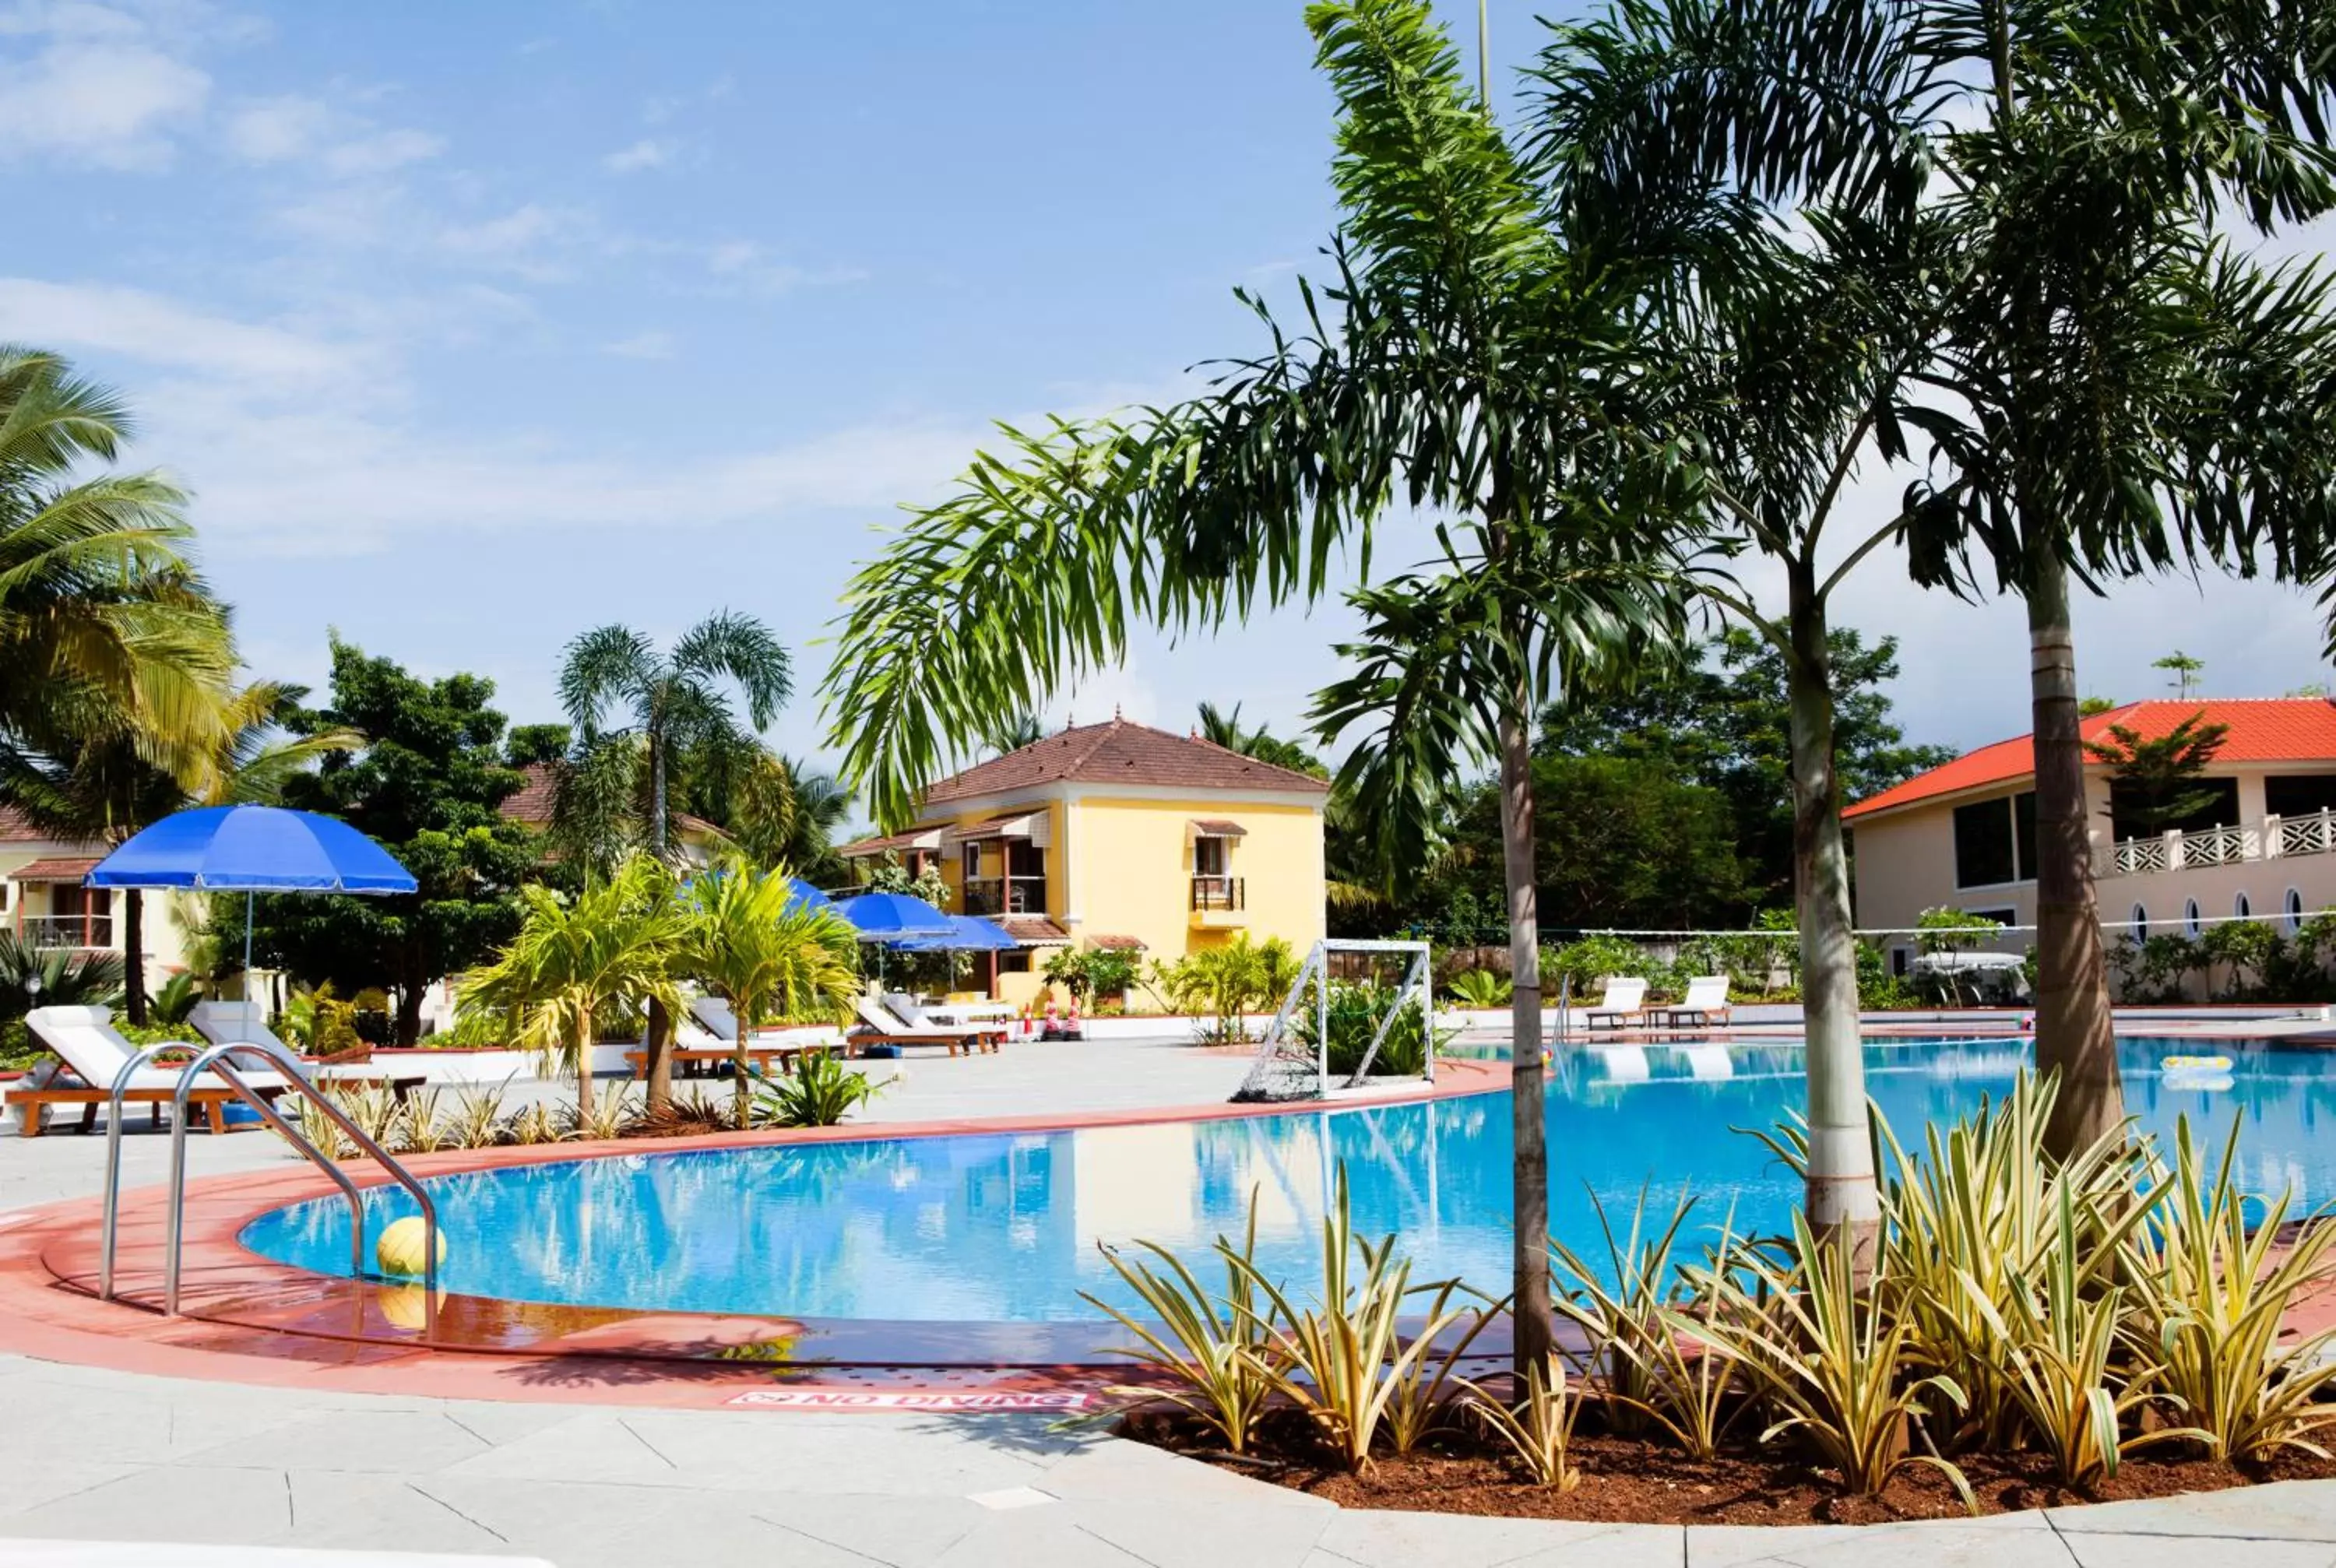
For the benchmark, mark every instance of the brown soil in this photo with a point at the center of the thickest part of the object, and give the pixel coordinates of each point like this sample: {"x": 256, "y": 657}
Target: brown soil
{"x": 1625, "y": 1480}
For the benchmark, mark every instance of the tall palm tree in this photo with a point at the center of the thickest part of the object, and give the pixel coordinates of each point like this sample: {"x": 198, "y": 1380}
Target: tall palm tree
{"x": 100, "y": 610}
{"x": 1223, "y": 727}
{"x": 662, "y": 706}
{"x": 1474, "y": 368}
{"x": 613, "y": 946}
{"x": 112, "y": 782}
{"x": 2103, "y": 386}
{"x": 752, "y": 942}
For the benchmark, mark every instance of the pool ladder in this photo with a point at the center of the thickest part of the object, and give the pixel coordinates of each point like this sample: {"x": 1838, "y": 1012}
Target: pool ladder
{"x": 220, "y": 1059}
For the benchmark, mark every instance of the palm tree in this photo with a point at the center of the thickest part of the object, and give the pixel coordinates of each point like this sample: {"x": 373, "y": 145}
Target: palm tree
{"x": 612, "y": 947}
{"x": 2103, "y": 387}
{"x": 100, "y": 610}
{"x": 1474, "y": 368}
{"x": 1223, "y": 727}
{"x": 1017, "y": 729}
{"x": 752, "y": 942}
{"x": 669, "y": 704}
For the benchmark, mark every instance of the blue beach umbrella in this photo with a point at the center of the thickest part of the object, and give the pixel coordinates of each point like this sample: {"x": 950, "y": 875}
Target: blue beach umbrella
{"x": 806, "y": 897}
{"x": 249, "y": 850}
{"x": 893, "y": 916}
{"x": 966, "y": 934}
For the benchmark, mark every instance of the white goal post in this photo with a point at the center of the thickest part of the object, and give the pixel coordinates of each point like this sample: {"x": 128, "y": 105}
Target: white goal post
{"x": 1287, "y": 1069}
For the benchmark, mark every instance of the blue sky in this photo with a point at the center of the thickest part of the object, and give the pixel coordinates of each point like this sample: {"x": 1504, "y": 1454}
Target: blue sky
{"x": 473, "y": 325}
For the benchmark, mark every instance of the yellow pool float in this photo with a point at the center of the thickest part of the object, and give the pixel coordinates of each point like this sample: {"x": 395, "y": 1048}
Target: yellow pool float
{"x": 2196, "y": 1064}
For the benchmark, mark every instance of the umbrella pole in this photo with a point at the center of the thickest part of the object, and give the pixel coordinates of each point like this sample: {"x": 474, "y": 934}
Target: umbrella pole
{"x": 247, "y": 944}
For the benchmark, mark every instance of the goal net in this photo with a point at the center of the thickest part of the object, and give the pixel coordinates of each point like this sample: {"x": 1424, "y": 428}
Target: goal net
{"x": 1358, "y": 1010}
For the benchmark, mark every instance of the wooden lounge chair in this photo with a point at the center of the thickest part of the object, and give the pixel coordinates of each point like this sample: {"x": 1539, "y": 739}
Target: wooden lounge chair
{"x": 221, "y": 1022}
{"x": 946, "y": 1014}
{"x": 1705, "y": 1002}
{"x": 703, "y": 1039}
{"x": 879, "y": 1026}
{"x": 90, "y": 1054}
{"x": 1625, "y": 1001}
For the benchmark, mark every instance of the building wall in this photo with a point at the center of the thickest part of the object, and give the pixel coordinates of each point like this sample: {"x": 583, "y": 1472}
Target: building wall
{"x": 1906, "y": 863}
{"x": 165, "y": 946}
{"x": 1132, "y": 870}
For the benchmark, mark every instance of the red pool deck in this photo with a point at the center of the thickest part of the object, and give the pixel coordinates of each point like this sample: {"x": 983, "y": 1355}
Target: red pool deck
{"x": 250, "y": 1320}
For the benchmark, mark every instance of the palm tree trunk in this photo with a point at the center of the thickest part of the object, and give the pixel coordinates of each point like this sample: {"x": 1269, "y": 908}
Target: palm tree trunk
{"x": 2073, "y": 1034}
{"x": 134, "y": 957}
{"x": 740, "y": 1100}
{"x": 583, "y": 1070}
{"x": 1840, "y": 1196}
{"x": 658, "y": 1032}
{"x": 1529, "y": 1307}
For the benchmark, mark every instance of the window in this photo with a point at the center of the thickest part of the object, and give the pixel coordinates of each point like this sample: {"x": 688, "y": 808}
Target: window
{"x": 1016, "y": 963}
{"x": 2131, "y": 815}
{"x": 2299, "y": 795}
{"x": 1995, "y": 841}
{"x": 2240, "y": 907}
{"x": 2190, "y": 918}
{"x": 2294, "y": 917}
{"x": 970, "y": 858}
{"x": 2140, "y": 924}
{"x": 1025, "y": 878}
{"x": 1208, "y": 856}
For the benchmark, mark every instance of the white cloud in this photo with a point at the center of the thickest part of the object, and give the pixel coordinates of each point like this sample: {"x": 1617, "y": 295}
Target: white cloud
{"x": 742, "y": 264}
{"x": 156, "y": 330}
{"x": 96, "y": 94}
{"x": 297, "y": 129}
{"x": 647, "y": 154}
{"x": 643, "y": 346}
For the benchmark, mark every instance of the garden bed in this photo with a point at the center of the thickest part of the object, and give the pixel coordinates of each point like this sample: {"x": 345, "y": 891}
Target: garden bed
{"x": 1625, "y": 1480}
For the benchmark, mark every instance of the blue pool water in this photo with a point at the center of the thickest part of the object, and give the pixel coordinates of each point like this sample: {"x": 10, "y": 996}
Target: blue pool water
{"x": 1005, "y": 1227}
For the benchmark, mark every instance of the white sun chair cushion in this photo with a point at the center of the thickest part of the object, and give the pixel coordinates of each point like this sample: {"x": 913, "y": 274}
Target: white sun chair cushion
{"x": 881, "y": 1020}
{"x": 1705, "y": 994}
{"x": 1625, "y": 998}
{"x": 86, "y": 1041}
{"x": 222, "y": 1022}
{"x": 909, "y": 1009}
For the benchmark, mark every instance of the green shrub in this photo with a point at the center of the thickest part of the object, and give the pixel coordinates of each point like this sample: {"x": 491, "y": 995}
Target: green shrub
{"x": 1356, "y": 1012}
{"x": 818, "y": 1092}
{"x": 1588, "y": 963}
{"x": 1480, "y": 989}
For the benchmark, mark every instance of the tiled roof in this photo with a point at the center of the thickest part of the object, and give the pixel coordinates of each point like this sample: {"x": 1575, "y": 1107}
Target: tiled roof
{"x": 1120, "y": 752}
{"x": 15, "y": 830}
{"x": 1112, "y": 944}
{"x": 2262, "y": 730}
{"x": 1032, "y": 930}
{"x": 56, "y": 869}
{"x": 532, "y": 803}
{"x": 885, "y": 844}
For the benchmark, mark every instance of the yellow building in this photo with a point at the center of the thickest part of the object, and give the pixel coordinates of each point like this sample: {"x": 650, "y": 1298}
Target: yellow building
{"x": 1119, "y": 836}
{"x": 43, "y": 902}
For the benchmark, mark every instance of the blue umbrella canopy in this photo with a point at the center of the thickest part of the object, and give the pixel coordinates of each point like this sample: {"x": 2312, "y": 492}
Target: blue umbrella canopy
{"x": 889, "y": 917}
{"x": 253, "y": 849}
{"x": 807, "y": 897}
{"x": 968, "y": 934}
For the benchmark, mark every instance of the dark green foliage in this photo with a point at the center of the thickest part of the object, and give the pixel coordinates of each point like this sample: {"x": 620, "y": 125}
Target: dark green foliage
{"x": 1356, "y": 1012}
{"x": 1721, "y": 723}
{"x": 1088, "y": 973}
{"x": 169, "y": 1006}
{"x": 535, "y": 743}
{"x": 68, "y": 978}
{"x": 428, "y": 785}
{"x": 2159, "y": 783}
{"x": 819, "y": 1090}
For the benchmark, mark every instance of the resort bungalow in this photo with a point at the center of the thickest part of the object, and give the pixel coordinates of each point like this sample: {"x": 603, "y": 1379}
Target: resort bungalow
{"x": 2263, "y": 843}
{"x": 47, "y": 906}
{"x": 1119, "y": 836}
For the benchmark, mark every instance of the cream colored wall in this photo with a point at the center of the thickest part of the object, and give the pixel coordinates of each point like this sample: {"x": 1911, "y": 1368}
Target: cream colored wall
{"x": 164, "y": 944}
{"x": 1132, "y": 870}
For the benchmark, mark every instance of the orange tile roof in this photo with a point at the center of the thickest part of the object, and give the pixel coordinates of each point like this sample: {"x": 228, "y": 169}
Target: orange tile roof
{"x": 57, "y": 868}
{"x": 1120, "y": 752}
{"x": 15, "y": 830}
{"x": 2262, "y": 730}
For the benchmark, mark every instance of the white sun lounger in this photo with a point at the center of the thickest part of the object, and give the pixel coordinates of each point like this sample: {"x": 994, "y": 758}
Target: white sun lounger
{"x": 93, "y": 1053}
{"x": 1625, "y": 999}
{"x": 222, "y": 1022}
{"x": 1705, "y": 1000}
{"x": 881, "y": 1026}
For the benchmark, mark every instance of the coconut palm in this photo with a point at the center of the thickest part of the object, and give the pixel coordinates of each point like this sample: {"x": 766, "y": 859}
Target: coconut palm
{"x": 610, "y": 948}
{"x": 616, "y": 791}
{"x": 2103, "y": 386}
{"x": 100, "y": 611}
{"x": 1474, "y": 368}
{"x": 751, "y": 941}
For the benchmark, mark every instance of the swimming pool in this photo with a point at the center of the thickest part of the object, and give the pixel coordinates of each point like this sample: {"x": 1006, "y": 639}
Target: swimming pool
{"x": 1003, "y": 1228}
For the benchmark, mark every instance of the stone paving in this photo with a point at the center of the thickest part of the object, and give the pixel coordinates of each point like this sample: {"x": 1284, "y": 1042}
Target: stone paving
{"x": 93, "y": 1455}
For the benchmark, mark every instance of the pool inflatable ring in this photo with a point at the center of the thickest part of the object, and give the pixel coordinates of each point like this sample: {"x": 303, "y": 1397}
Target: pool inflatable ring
{"x": 2196, "y": 1064}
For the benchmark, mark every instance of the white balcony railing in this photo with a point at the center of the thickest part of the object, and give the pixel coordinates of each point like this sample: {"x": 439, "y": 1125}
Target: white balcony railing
{"x": 2273, "y": 838}
{"x": 68, "y": 931}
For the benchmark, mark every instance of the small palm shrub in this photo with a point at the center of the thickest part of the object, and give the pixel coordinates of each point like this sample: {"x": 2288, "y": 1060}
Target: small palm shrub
{"x": 1538, "y": 1429}
{"x": 177, "y": 998}
{"x": 1480, "y": 989}
{"x": 476, "y": 1121}
{"x": 1357, "y": 1012}
{"x": 684, "y": 1115}
{"x": 818, "y": 1091}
